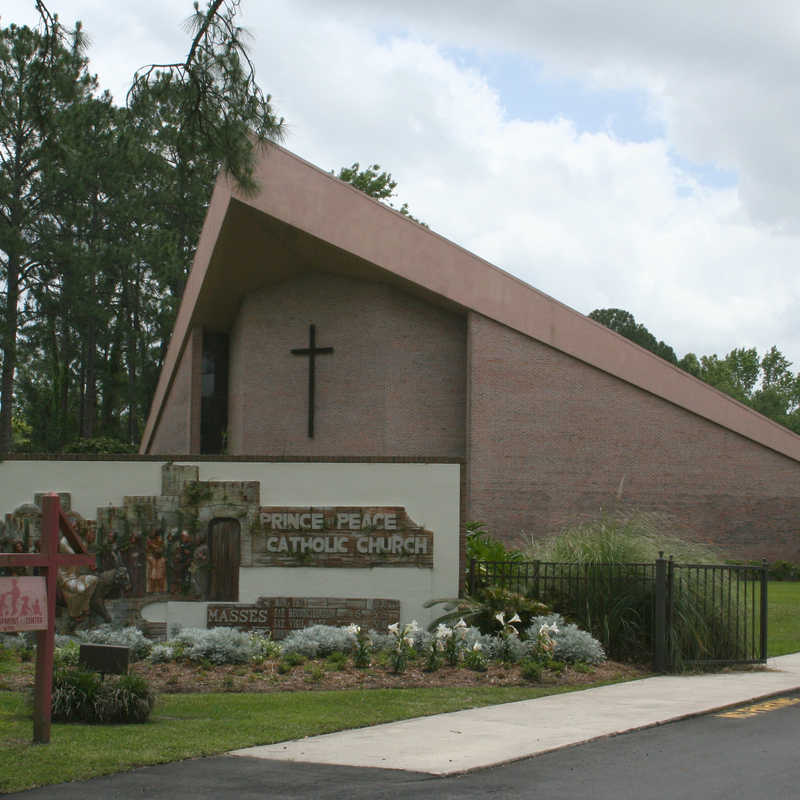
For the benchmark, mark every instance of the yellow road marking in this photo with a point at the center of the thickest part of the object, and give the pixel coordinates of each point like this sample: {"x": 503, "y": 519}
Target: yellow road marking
{"x": 760, "y": 708}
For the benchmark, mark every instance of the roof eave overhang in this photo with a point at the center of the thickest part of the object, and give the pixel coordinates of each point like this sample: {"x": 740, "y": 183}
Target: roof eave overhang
{"x": 313, "y": 203}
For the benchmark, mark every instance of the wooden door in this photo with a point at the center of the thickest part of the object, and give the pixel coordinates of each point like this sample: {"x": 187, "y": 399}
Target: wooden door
{"x": 223, "y": 557}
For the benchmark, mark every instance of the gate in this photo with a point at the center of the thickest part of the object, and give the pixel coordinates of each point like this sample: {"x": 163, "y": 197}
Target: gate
{"x": 223, "y": 557}
{"x": 709, "y": 614}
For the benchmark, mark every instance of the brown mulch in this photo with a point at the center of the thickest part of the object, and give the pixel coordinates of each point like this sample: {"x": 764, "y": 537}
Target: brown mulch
{"x": 174, "y": 678}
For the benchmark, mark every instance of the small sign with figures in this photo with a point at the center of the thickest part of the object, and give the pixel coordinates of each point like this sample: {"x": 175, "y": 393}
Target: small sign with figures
{"x": 23, "y": 604}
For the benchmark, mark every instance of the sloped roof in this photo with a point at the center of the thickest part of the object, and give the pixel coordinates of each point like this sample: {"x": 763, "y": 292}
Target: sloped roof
{"x": 304, "y": 218}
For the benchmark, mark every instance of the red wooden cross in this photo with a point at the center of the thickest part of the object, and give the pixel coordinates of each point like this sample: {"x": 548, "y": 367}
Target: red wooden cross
{"x": 48, "y": 560}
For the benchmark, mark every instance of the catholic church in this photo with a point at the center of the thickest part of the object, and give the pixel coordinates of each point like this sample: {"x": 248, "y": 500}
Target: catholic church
{"x": 317, "y": 323}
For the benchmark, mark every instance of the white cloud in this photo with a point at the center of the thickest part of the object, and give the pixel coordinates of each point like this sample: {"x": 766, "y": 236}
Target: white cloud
{"x": 592, "y": 220}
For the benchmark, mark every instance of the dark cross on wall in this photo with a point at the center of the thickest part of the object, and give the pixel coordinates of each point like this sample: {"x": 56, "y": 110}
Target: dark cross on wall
{"x": 312, "y": 351}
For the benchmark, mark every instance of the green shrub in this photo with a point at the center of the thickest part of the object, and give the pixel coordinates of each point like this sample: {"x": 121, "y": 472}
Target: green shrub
{"x": 475, "y": 659}
{"x": 619, "y": 540}
{"x": 99, "y": 444}
{"x": 294, "y": 659}
{"x": 783, "y": 571}
{"x": 531, "y": 670}
{"x": 482, "y": 609}
{"x": 614, "y": 599}
{"x": 337, "y": 661}
{"x": 80, "y": 696}
{"x": 74, "y": 694}
{"x": 124, "y": 700}
{"x": 482, "y": 546}
{"x": 67, "y": 655}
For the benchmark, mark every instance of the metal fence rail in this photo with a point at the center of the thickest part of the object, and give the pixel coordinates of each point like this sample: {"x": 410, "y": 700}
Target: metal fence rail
{"x": 683, "y": 614}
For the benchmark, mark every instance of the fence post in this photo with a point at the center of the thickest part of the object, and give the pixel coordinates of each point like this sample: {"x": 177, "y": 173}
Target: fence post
{"x": 764, "y": 576}
{"x": 472, "y": 576}
{"x": 660, "y": 621}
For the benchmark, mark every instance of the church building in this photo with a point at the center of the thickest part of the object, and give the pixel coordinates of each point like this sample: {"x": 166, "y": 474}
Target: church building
{"x": 318, "y": 323}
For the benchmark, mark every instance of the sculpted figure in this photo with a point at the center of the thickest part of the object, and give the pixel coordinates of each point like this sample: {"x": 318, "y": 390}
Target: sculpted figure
{"x": 199, "y": 571}
{"x": 156, "y": 564}
{"x": 182, "y": 561}
{"x": 77, "y": 589}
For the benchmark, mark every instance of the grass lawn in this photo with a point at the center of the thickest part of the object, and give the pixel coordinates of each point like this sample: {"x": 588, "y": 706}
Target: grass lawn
{"x": 189, "y": 725}
{"x": 783, "y": 624}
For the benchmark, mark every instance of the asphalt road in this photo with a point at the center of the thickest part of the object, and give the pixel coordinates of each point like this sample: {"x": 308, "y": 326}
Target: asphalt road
{"x": 751, "y": 752}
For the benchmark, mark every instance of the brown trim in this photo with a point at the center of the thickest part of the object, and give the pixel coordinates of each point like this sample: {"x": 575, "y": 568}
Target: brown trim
{"x": 173, "y": 457}
{"x": 195, "y": 349}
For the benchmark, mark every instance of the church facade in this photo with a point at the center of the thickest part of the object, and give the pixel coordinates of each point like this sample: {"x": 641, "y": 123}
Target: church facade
{"x": 318, "y": 323}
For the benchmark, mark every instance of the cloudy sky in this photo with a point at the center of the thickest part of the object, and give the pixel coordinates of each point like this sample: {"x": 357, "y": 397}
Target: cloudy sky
{"x": 612, "y": 154}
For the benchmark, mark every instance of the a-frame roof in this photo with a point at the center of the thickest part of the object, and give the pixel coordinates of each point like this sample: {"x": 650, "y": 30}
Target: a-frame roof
{"x": 304, "y": 218}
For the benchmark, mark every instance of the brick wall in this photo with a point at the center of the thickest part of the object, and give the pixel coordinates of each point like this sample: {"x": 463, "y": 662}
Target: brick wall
{"x": 394, "y": 385}
{"x": 553, "y": 440}
{"x": 174, "y": 430}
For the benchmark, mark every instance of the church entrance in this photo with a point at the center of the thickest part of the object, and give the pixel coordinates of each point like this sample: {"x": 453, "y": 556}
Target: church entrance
{"x": 223, "y": 556}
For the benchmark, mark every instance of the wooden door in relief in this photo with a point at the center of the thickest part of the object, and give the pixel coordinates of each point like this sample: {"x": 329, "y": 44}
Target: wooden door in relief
{"x": 223, "y": 556}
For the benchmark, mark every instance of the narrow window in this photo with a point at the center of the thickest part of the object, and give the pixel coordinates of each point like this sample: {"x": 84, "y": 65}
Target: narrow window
{"x": 214, "y": 393}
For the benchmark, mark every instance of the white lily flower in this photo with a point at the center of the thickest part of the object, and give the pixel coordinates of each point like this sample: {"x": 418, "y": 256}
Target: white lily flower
{"x": 460, "y": 623}
{"x": 500, "y": 617}
{"x": 353, "y": 629}
{"x": 394, "y": 628}
{"x": 413, "y": 626}
{"x": 515, "y": 618}
{"x": 477, "y": 647}
{"x": 409, "y": 640}
{"x": 442, "y": 631}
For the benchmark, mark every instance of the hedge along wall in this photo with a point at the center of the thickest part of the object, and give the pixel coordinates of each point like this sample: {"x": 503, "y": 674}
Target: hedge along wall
{"x": 430, "y": 493}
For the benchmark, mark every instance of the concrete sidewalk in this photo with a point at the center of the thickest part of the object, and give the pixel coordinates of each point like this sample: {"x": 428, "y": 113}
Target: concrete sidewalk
{"x": 466, "y": 740}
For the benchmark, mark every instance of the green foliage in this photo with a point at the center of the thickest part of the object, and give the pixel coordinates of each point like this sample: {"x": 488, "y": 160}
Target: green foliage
{"x": 475, "y": 659}
{"x": 99, "y": 444}
{"x": 66, "y": 656}
{"x": 337, "y": 661}
{"x": 613, "y": 600}
{"x": 784, "y": 571}
{"x": 89, "y": 297}
{"x": 531, "y": 669}
{"x": 375, "y": 183}
{"x": 624, "y": 323}
{"x": 482, "y": 546}
{"x": 293, "y": 658}
{"x": 80, "y": 696}
{"x": 617, "y": 540}
{"x": 402, "y": 645}
{"x": 766, "y": 384}
{"x": 481, "y": 610}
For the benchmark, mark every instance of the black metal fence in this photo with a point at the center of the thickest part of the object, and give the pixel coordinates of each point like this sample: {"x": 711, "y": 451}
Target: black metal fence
{"x": 680, "y": 614}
